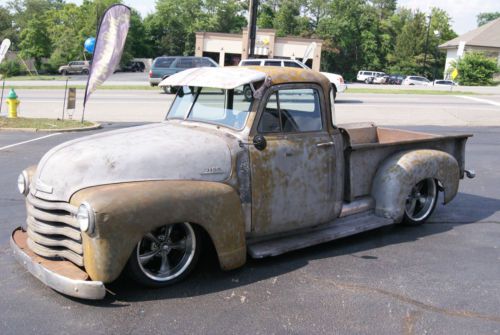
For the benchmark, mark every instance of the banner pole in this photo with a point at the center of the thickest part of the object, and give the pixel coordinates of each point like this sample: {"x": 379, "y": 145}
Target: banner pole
{"x": 1, "y": 99}
{"x": 64, "y": 101}
{"x": 83, "y": 112}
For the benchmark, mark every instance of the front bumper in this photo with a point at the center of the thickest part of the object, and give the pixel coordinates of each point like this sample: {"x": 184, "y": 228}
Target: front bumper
{"x": 342, "y": 88}
{"x": 62, "y": 276}
{"x": 154, "y": 81}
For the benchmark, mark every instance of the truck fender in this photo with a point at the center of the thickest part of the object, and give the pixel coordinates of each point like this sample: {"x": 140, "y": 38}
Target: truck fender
{"x": 400, "y": 172}
{"x": 125, "y": 212}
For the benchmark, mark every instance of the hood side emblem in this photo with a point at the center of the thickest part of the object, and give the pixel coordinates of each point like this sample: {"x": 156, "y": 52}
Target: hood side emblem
{"x": 212, "y": 170}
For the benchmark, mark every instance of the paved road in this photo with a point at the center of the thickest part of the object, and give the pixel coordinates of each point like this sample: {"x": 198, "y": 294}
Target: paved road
{"x": 384, "y": 109}
{"x": 439, "y": 278}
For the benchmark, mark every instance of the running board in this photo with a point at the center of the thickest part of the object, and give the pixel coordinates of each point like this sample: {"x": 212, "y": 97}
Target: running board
{"x": 339, "y": 228}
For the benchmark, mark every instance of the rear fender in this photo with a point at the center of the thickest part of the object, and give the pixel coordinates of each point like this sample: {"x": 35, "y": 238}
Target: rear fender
{"x": 126, "y": 212}
{"x": 400, "y": 172}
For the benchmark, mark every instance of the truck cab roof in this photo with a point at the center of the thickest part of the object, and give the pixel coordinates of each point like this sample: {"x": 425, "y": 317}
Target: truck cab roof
{"x": 234, "y": 76}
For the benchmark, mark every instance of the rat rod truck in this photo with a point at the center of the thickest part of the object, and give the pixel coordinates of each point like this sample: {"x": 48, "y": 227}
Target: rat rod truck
{"x": 257, "y": 177}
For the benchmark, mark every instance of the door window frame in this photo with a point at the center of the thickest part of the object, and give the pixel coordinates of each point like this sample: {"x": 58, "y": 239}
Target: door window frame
{"x": 277, "y": 88}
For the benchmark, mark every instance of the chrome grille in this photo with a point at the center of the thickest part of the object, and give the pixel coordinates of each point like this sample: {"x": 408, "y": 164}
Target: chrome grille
{"x": 53, "y": 230}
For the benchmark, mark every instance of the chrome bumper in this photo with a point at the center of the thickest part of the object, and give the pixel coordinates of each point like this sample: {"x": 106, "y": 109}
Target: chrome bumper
{"x": 83, "y": 289}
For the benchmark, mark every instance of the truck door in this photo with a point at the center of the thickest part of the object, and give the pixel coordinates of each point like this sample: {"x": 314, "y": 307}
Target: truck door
{"x": 292, "y": 177}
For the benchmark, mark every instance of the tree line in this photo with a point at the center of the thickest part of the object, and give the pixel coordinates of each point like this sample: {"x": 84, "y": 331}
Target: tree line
{"x": 357, "y": 34}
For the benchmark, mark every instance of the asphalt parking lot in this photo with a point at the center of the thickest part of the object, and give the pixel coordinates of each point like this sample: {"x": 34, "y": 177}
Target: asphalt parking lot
{"x": 439, "y": 278}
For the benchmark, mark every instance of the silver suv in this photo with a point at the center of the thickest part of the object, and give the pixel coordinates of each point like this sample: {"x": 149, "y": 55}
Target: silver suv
{"x": 416, "y": 80}
{"x": 76, "y": 67}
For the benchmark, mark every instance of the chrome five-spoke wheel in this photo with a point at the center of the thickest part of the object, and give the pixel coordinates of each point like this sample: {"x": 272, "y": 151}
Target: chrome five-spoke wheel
{"x": 421, "y": 202}
{"x": 165, "y": 255}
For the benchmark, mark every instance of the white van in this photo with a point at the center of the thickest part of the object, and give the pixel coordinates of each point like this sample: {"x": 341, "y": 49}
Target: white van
{"x": 367, "y": 76}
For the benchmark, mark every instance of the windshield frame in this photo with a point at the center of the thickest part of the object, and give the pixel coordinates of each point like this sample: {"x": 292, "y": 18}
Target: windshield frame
{"x": 196, "y": 91}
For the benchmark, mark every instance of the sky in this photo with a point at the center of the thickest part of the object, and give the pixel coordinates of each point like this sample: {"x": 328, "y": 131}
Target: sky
{"x": 462, "y": 12}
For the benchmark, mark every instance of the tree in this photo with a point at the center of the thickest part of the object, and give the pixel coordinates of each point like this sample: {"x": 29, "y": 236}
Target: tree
{"x": 474, "y": 68}
{"x": 6, "y": 25}
{"x": 288, "y": 20}
{"x": 483, "y": 18}
{"x": 35, "y": 42}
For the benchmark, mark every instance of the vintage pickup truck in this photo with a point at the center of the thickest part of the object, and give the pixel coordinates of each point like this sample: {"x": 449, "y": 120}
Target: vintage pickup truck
{"x": 258, "y": 178}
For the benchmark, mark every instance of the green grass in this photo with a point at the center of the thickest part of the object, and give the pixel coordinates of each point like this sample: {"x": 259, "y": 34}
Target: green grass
{"x": 42, "y": 124}
{"x": 402, "y": 91}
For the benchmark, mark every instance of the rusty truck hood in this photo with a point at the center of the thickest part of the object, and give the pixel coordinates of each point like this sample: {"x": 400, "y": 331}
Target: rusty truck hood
{"x": 162, "y": 151}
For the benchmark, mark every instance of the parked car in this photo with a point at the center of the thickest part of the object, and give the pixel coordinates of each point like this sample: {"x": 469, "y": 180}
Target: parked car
{"x": 336, "y": 80}
{"x": 443, "y": 82}
{"x": 76, "y": 67}
{"x": 395, "y": 79}
{"x": 164, "y": 67}
{"x": 380, "y": 79}
{"x": 416, "y": 80}
{"x": 132, "y": 66}
{"x": 255, "y": 178}
{"x": 367, "y": 76}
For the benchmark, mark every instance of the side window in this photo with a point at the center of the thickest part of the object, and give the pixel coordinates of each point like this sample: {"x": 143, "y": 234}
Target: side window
{"x": 292, "y": 64}
{"x": 163, "y": 62}
{"x": 292, "y": 110}
{"x": 251, "y": 63}
{"x": 270, "y": 119}
{"x": 300, "y": 110}
{"x": 272, "y": 63}
{"x": 185, "y": 63}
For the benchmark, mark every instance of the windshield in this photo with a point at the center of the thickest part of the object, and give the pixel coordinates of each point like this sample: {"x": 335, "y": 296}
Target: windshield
{"x": 228, "y": 108}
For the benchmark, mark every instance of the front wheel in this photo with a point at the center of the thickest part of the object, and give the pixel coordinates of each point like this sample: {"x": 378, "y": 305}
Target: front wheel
{"x": 421, "y": 202}
{"x": 165, "y": 255}
{"x": 248, "y": 93}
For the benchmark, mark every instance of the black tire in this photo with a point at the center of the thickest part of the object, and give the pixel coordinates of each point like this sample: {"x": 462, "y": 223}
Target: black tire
{"x": 153, "y": 252}
{"x": 247, "y": 93}
{"x": 64, "y": 72}
{"x": 421, "y": 202}
{"x": 85, "y": 72}
{"x": 334, "y": 88}
{"x": 367, "y": 81}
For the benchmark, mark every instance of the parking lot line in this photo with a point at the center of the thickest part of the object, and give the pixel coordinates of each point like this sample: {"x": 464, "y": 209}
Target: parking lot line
{"x": 24, "y": 142}
{"x": 484, "y": 101}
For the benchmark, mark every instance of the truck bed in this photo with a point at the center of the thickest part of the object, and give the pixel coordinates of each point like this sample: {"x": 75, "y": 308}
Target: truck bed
{"x": 367, "y": 146}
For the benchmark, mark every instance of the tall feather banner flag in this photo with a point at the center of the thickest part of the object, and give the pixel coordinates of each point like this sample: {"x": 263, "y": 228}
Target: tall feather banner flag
{"x": 4, "y": 47}
{"x": 108, "y": 50}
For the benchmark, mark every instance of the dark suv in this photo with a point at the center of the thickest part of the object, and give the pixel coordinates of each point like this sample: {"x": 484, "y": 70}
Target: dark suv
{"x": 166, "y": 66}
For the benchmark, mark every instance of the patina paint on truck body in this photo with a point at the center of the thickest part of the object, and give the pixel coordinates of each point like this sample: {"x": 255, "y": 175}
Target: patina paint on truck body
{"x": 258, "y": 177}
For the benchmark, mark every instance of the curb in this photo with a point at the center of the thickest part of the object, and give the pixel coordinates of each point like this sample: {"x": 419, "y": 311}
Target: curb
{"x": 66, "y": 130}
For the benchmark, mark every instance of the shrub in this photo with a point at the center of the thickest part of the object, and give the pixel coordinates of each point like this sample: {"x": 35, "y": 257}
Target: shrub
{"x": 10, "y": 68}
{"x": 475, "y": 69}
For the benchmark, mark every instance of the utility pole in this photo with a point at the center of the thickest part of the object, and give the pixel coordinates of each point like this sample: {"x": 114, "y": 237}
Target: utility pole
{"x": 252, "y": 27}
{"x": 427, "y": 42}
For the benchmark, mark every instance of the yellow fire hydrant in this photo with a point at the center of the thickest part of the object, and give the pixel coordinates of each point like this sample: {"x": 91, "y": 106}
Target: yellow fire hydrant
{"x": 13, "y": 102}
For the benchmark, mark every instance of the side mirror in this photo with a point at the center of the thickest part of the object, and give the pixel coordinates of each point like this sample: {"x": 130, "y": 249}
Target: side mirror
{"x": 259, "y": 142}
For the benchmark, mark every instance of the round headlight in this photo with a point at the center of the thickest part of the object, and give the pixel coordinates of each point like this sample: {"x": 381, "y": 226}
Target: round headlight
{"x": 22, "y": 183}
{"x": 85, "y": 218}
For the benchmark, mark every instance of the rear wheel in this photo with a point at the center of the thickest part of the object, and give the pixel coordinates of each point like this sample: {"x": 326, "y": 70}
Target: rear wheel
{"x": 165, "y": 255}
{"x": 85, "y": 72}
{"x": 421, "y": 202}
{"x": 64, "y": 72}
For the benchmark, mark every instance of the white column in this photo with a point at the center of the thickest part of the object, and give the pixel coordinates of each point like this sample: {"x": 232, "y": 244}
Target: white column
{"x": 222, "y": 55}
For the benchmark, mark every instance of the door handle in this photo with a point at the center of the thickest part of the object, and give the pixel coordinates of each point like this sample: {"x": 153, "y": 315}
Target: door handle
{"x": 326, "y": 144}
